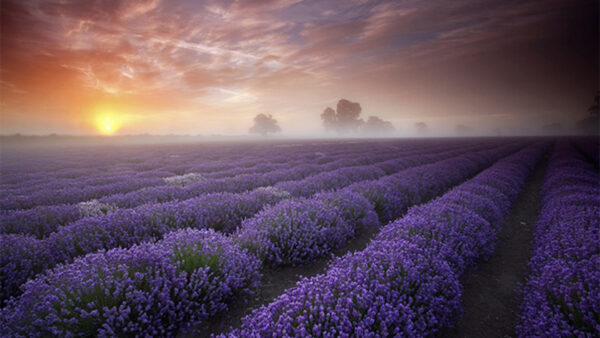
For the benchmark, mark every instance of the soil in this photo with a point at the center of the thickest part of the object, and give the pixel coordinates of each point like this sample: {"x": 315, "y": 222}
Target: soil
{"x": 490, "y": 291}
{"x": 273, "y": 284}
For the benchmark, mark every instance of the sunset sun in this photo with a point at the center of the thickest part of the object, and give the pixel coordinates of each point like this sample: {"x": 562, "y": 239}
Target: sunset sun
{"x": 107, "y": 124}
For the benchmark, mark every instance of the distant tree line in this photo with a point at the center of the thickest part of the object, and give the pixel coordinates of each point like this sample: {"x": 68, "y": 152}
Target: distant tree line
{"x": 346, "y": 118}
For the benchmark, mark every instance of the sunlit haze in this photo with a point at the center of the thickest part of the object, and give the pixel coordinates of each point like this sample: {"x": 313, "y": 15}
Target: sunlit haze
{"x": 209, "y": 67}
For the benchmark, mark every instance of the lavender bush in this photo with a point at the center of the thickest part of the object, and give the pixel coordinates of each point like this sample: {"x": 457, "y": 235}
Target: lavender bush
{"x": 147, "y": 290}
{"x": 562, "y": 294}
{"x": 294, "y": 231}
{"x": 39, "y": 221}
{"x": 23, "y": 257}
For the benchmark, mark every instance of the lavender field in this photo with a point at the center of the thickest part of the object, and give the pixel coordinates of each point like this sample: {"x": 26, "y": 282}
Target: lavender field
{"x": 323, "y": 238}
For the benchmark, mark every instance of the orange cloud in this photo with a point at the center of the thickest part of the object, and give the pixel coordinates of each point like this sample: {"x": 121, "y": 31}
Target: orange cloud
{"x": 211, "y": 63}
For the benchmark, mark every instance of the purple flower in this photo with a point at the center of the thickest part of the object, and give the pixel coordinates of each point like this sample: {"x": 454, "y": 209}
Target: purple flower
{"x": 562, "y": 294}
{"x": 149, "y": 289}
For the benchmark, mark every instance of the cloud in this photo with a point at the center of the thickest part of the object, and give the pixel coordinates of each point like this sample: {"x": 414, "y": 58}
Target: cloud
{"x": 412, "y": 57}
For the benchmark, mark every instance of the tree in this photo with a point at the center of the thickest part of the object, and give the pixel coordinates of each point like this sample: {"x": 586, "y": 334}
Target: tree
{"x": 376, "y": 125}
{"x": 348, "y": 115}
{"x": 421, "y": 127}
{"x": 264, "y": 124}
{"x": 329, "y": 119}
{"x": 346, "y": 118}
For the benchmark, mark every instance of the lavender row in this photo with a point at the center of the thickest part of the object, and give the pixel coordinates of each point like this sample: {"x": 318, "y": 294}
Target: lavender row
{"x": 245, "y": 165}
{"x": 326, "y": 212}
{"x": 197, "y": 165}
{"x": 343, "y": 210}
{"x": 405, "y": 283}
{"x": 23, "y": 257}
{"x": 43, "y": 220}
{"x": 175, "y": 165}
{"x": 154, "y": 289}
{"x": 157, "y": 174}
{"x": 147, "y": 290}
{"x": 236, "y": 184}
{"x": 335, "y": 179}
{"x": 562, "y": 294}
{"x": 23, "y": 167}
{"x": 81, "y": 190}
{"x": 300, "y": 230}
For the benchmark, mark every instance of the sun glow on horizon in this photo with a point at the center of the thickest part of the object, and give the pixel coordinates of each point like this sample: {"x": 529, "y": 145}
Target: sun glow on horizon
{"x": 107, "y": 123}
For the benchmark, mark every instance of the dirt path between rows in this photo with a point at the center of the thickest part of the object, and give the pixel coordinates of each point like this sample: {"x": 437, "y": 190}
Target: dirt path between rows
{"x": 273, "y": 284}
{"x": 490, "y": 296}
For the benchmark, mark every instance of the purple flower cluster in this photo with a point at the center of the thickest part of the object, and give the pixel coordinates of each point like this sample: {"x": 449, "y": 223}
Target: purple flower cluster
{"x": 70, "y": 190}
{"x": 393, "y": 194}
{"x": 562, "y": 294}
{"x": 298, "y": 230}
{"x": 23, "y": 257}
{"x": 74, "y": 194}
{"x": 392, "y": 288}
{"x": 125, "y": 227}
{"x": 330, "y": 180}
{"x": 147, "y": 290}
{"x": 338, "y": 178}
{"x": 288, "y": 231}
{"x": 405, "y": 283}
{"x": 238, "y": 183}
{"x": 41, "y": 221}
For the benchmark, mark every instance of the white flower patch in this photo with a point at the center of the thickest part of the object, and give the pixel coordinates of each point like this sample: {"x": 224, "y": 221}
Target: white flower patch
{"x": 183, "y": 180}
{"x": 319, "y": 154}
{"x": 280, "y": 193}
{"x": 95, "y": 208}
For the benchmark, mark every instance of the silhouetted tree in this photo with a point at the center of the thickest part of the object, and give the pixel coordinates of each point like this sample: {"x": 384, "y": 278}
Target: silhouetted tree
{"x": 264, "y": 124}
{"x": 348, "y": 115}
{"x": 346, "y": 118}
{"x": 421, "y": 127}
{"x": 329, "y": 119}
{"x": 376, "y": 125}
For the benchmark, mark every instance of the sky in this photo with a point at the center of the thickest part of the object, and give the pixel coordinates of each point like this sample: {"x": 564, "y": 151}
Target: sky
{"x": 208, "y": 67}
